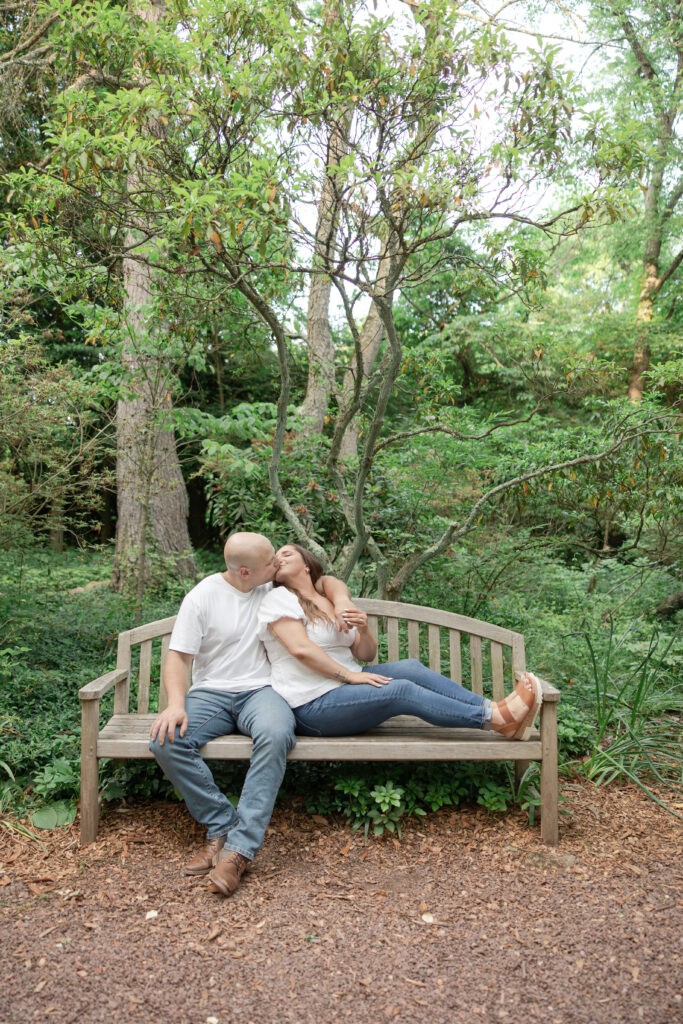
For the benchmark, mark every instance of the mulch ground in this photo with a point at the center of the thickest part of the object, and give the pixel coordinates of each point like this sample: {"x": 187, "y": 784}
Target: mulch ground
{"x": 467, "y": 918}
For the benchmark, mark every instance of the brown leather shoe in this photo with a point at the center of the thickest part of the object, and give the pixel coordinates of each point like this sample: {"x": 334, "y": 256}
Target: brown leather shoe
{"x": 227, "y": 872}
{"x": 202, "y": 862}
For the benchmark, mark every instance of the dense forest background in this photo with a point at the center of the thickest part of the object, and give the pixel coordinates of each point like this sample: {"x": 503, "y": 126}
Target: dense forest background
{"x": 399, "y": 280}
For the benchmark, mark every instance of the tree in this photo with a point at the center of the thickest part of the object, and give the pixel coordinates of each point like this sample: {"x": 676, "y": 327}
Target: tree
{"x": 649, "y": 76}
{"x": 151, "y": 495}
{"x": 245, "y": 98}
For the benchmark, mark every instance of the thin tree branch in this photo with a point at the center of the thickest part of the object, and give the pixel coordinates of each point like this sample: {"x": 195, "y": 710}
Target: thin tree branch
{"x": 454, "y": 531}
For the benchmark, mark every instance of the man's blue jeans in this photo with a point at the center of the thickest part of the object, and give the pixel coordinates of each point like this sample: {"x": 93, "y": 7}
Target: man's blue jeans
{"x": 261, "y": 714}
{"x": 414, "y": 690}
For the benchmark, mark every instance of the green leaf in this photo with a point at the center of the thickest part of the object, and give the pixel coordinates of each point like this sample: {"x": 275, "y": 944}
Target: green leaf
{"x": 62, "y": 812}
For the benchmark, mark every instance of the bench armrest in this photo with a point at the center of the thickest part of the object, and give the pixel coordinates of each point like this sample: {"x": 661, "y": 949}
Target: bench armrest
{"x": 550, "y": 693}
{"x": 98, "y": 687}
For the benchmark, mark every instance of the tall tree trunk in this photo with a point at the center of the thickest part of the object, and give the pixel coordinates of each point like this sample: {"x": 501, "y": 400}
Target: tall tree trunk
{"x": 151, "y": 495}
{"x": 371, "y": 336}
{"x": 321, "y": 352}
{"x": 649, "y": 285}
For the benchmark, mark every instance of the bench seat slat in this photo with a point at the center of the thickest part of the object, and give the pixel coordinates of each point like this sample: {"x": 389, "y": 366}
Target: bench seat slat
{"x": 399, "y": 739}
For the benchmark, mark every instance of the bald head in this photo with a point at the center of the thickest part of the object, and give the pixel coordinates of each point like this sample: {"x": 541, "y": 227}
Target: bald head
{"x": 247, "y": 550}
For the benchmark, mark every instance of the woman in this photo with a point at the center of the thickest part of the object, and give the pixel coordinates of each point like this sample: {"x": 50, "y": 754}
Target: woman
{"x": 314, "y": 667}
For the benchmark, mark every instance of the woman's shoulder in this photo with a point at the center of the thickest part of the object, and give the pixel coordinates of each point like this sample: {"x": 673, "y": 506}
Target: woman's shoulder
{"x": 281, "y": 603}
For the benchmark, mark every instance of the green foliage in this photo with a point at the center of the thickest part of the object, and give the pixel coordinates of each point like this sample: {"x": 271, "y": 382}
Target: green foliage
{"x": 377, "y": 799}
{"x": 53, "y": 642}
{"x": 50, "y": 446}
{"x": 638, "y": 736}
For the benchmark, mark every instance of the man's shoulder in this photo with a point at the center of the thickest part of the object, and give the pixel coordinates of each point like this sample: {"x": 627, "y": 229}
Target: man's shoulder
{"x": 204, "y": 587}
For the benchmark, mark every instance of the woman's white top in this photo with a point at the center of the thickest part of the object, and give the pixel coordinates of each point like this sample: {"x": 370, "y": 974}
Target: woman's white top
{"x": 293, "y": 680}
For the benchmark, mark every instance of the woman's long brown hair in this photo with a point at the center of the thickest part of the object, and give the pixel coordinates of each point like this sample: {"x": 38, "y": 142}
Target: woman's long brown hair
{"x": 315, "y": 569}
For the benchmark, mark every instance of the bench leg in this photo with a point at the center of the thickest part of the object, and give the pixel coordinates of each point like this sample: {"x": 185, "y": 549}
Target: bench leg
{"x": 90, "y": 721}
{"x": 520, "y": 768}
{"x": 549, "y": 787}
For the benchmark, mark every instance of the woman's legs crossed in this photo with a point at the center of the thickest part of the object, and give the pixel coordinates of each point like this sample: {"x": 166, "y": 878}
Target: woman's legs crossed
{"x": 416, "y": 672}
{"x": 358, "y": 707}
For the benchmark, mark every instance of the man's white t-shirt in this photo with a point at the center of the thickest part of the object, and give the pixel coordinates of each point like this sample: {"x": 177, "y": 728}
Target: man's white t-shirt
{"x": 218, "y": 625}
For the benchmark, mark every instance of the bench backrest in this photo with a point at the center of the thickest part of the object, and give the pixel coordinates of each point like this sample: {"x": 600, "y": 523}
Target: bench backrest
{"x": 477, "y": 654}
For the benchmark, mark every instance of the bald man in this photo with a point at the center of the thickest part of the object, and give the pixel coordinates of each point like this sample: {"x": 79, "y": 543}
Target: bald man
{"x": 216, "y": 629}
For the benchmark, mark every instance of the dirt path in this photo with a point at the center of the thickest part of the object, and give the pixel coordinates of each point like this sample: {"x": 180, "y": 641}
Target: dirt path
{"x": 467, "y": 919}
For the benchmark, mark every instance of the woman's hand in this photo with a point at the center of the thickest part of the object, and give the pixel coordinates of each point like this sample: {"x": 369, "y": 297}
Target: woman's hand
{"x": 373, "y": 678}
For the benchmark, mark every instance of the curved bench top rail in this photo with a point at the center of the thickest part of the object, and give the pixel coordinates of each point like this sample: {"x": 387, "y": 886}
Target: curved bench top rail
{"x": 151, "y": 630}
{"x": 392, "y": 609}
{"x": 437, "y": 617}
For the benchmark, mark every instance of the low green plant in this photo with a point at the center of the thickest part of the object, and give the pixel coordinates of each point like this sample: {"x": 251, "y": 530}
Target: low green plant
{"x": 54, "y": 815}
{"x": 638, "y": 736}
{"x": 373, "y": 801}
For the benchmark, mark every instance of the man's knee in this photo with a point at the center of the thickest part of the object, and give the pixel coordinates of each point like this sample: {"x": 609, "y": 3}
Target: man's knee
{"x": 164, "y": 752}
{"x": 277, "y": 737}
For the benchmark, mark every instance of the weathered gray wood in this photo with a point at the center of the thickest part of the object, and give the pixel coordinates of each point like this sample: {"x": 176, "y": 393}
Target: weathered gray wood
{"x": 392, "y": 640}
{"x": 373, "y": 625}
{"x": 151, "y": 630}
{"x": 520, "y": 768}
{"x": 549, "y": 787}
{"x": 122, "y": 693}
{"x": 128, "y": 736}
{"x": 90, "y": 714}
{"x": 455, "y": 655}
{"x": 144, "y": 676}
{"x": 98, "y": 687}
{"x": 518, "y": 657}
{"x": 414, "y": 639}
{"x": 163, "y": 696}
{"x": 497, "y": 674}
{"x": 439, "y": 618}
{"x": 476, "y": 666}
{"x": 550, "y": 693}
{"x": 434, "y": 648}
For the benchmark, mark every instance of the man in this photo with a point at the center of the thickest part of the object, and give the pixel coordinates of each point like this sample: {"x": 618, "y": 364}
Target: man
{"x": 216, "y": 627}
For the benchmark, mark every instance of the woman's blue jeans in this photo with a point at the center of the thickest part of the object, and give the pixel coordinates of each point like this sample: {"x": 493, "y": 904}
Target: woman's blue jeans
{"x": 414, "y": 690}
{"x": 261, "y": 714}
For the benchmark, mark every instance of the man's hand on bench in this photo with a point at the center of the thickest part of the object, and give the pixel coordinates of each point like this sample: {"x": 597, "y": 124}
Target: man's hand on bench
{"x": 165, "y": 724}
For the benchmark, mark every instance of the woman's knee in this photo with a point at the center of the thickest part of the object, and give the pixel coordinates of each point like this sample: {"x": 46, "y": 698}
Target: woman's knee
{"x": 410, "y": 664}
{"x": 400, "y": 689}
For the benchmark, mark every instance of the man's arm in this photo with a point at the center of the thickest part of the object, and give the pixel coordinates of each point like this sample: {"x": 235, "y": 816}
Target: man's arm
{"x": 176, "y": 668}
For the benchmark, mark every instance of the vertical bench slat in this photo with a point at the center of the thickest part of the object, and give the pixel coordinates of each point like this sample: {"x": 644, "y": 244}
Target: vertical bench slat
{"x": 518, "y": 658}
{"x": 497, "y": 670}
{"x": 456, "y": 658}
{"x": 144, "y": 676}
{"x": 122, "y": 691}
{"x": 163, "y": 696}
{"x": 475, "y": 664}
{"x": 392, "y": 639}
{"x": 434, "y": 648}
{"x": 414, "y": 640}
{"x": 372, "y": 625}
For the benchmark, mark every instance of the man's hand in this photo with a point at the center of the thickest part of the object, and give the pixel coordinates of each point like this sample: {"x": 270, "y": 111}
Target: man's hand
{"x": 355, "y": 618}
{"x": 165, "y": 724}
{"x": 345, "y": 615}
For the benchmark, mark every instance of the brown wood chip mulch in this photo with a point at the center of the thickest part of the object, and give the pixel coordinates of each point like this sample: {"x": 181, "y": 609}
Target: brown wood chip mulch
{"x": 467, "y": 919}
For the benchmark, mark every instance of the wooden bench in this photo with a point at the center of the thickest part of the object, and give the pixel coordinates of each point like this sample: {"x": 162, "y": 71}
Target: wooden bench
{"x": 405, "y": 630}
